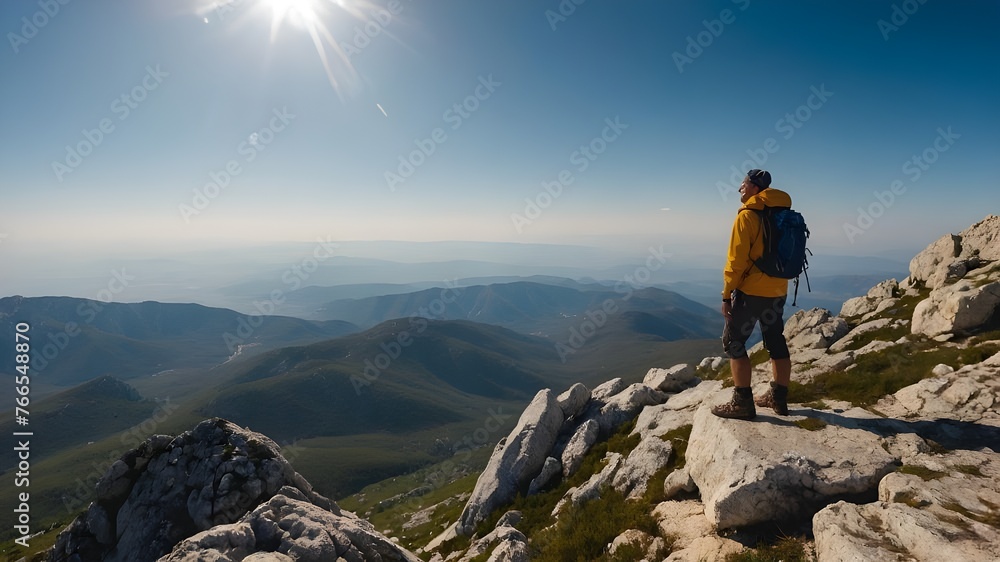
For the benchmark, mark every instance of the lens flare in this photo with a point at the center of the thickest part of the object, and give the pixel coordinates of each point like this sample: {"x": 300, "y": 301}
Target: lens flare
{"x": 310, "y": 16}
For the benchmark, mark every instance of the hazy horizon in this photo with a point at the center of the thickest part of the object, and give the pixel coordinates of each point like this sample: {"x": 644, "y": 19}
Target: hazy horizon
{"x": 258, "y": 126}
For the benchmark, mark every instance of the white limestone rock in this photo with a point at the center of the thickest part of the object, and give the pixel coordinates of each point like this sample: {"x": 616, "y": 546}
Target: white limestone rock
{"x": 623, "y": 406}
{"x": 634, "y": 537}
{"x": 712, "y": 363}
{"x": 168, "y": 488}
{"x": 958, "y": 308}
{"x": 860, "y": 330}
{"x": 574, "y": 400}
{"x": 592, "y": 487}
{"x": 970, "y": 394}
{"x": 930, "y": 266}
{"x": 886, "y": 290}
{"x": 649, "y": 456}
{"x": 695, "y": 538}
{"x": 754, "y": 472}
{"x": 294, "y": 527}
{"x": 941, "y": 370}
{"x": 846, "y": 532}
{"x": 607, "y": 389}
{"x": 551, "y": 467}
{"x": 814, "y": 329}
{"x": 582, "y": 440}
{"x": 515, "y": 461}
{"x": 882, "y": 306}
{"x": 654, "y": 421}
{"x": 678, "y": 481}
{"x": 674, "y": 379}
{"x": 503, "y": 533}
{"x": 951, "y": 257}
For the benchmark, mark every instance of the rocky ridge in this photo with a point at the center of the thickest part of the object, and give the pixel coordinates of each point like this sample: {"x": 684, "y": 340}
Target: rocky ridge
{"x": 216, "y": 493}
{"x": 911, "y": 474}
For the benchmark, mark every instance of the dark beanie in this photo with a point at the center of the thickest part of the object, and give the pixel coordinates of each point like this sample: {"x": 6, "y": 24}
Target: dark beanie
{"x": 760, "y": 178}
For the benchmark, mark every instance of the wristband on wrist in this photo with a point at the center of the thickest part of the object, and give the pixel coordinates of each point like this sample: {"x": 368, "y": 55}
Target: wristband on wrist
{"x": 727, "y": 300}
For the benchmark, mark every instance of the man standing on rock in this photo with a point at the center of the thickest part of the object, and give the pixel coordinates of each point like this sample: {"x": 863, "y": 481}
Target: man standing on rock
{"x": 750, "y": 296}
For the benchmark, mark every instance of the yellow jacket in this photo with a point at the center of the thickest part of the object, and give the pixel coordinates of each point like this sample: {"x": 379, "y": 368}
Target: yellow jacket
{"x": 747, "y": 244}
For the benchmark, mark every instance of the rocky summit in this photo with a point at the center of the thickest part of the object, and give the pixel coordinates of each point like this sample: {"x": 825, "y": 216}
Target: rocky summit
{"x": 218, "y": 492}
{"x": 890, "y": 451}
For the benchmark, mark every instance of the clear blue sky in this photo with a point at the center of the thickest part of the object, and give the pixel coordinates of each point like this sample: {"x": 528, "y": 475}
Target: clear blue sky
{"x": 200, "y": 82}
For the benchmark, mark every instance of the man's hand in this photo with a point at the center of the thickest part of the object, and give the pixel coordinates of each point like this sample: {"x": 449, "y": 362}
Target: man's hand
{"x": 727, "y": 310}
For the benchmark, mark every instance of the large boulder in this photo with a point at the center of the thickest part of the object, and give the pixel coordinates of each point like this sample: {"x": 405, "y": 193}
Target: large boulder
{"x": 674, "y": 379}
{"x": 516, "y": 460}
{"x": 963, "y": 307}
{"x": 930, "y": 266}
{"x": 573, "y": 400}
{"x": 760, "y": 471}
{"x": 168, "y": 489}
{"x": 814, "y": 329}
{"x": 288, "y": 525}
{"x": 950, "y": 257}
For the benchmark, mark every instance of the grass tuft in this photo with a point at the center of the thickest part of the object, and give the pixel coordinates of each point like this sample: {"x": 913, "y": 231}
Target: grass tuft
{"x": 970, "y": 469}
{"x": 786, "y": 549}
{"x": 991, "y": 518}
{"x": 811, "y": 424}
{"x": 878, "y": 374}
{"x": 910, "y": 499}
{"x": 923, "y": 472}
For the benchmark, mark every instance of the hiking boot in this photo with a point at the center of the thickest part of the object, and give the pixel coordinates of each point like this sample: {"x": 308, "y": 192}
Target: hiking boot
{"x": 740, "y": 407}
{"x": 775, "y": 398}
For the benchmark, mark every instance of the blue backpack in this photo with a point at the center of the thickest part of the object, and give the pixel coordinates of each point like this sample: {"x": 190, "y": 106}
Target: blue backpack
{"x": 785, "y": 235}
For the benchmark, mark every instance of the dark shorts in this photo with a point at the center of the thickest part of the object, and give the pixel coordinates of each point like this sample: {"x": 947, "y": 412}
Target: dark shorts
{"x": 748, "y": 311}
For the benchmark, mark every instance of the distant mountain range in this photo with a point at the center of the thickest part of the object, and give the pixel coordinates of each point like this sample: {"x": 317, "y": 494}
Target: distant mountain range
{"x": 542, "y": 309}
{"x": 397, "y": 396}
{"x": 74, "y": 340}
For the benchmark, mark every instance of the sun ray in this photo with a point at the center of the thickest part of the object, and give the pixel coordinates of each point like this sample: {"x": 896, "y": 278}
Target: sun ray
{"x": 310, "y": 16}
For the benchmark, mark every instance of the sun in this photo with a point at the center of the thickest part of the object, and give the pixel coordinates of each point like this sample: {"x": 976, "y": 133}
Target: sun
{"x": 308, "y": 17}
{"x": 301, "y": 13}
{"x": 311, "y": 16}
